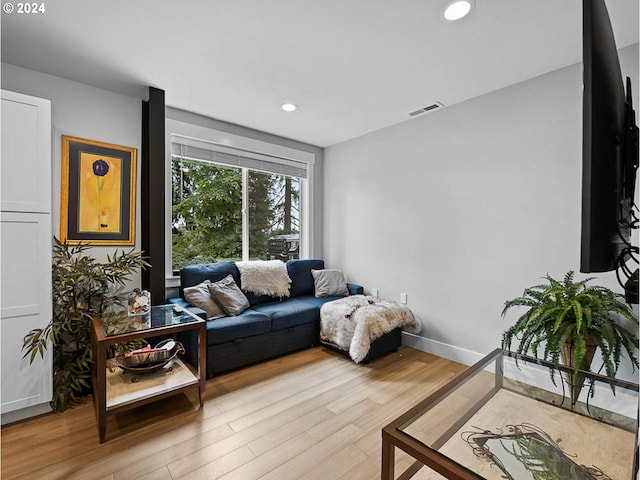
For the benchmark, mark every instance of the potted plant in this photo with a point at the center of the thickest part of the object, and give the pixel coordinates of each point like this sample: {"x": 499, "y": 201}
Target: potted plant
{"x": 81, "y": 288}
{"x": 569, "y": 320}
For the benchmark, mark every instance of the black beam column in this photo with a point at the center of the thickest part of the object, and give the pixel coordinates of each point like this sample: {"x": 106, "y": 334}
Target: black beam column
{"x": 153, "y": 195}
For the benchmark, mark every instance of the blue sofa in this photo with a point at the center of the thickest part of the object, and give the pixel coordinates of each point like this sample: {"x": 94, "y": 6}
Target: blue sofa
{"x": 270, "y": 327}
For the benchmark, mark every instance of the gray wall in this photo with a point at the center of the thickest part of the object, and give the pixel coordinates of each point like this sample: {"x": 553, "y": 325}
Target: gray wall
{"x": 94, "y": 113}
{"x": 464, "y": 207}
{"x": 81, "y": 111}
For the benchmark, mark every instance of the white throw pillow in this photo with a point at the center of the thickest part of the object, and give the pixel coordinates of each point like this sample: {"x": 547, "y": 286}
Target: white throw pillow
{"x": 265, "y": 277}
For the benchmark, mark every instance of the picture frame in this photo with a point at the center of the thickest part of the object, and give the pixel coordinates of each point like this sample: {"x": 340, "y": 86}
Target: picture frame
{"x": 98, "y": 192}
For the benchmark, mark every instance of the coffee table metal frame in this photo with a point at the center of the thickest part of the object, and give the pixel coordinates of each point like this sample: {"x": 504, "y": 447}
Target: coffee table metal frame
{"x": 393, "y": 435}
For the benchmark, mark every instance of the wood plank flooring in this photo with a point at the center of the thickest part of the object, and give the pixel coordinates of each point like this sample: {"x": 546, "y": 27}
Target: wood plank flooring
{"x": 310, "y": 415}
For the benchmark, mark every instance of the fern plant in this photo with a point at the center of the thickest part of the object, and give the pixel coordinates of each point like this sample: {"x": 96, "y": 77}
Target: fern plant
{"x": 573, "y": 316}
{"x": 81, "y": 287}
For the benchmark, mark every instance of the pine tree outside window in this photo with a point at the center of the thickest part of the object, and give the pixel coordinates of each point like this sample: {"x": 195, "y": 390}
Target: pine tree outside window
{"x": 222, "y": 211}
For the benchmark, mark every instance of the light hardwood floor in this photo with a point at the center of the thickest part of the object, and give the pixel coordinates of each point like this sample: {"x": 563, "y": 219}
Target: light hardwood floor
{"x": 310, "y": 415}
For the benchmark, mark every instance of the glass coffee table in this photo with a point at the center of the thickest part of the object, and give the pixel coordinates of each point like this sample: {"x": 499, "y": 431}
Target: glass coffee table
{"x": 115, "y": 389}
{"x": 507, "y": 417}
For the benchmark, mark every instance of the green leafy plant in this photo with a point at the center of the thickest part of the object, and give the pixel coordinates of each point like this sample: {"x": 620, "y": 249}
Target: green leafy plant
{"x": 569, "y": 320}
{"x": 82, "y": 287}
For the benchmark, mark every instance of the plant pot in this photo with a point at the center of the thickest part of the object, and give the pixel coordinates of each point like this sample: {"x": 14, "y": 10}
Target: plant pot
{"x": 566, "y": 354}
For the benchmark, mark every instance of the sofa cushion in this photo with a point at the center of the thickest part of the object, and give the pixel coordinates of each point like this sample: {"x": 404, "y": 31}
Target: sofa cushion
{"x": 199, "y": 296}
{"x": 214, "y": 272}
{"x": 355, "y": 289}
{"x": 329, "y": 283}
{"x": 228, "y": 295}
{"x": 258, "y": 299}
{"x": 178, "y": 301}
{"x": 247, "y": 324}
{"x": 300, "y": 274}
{"x": 289, "y": 313}
{"x": 317, "y": 302}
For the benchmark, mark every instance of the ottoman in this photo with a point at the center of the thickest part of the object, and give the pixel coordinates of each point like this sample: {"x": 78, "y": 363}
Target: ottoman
{"x": 365, "y": 327}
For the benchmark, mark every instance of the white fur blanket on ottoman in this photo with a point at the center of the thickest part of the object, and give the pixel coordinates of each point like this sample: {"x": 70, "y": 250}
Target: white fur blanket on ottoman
{"x": 353, "y": 322}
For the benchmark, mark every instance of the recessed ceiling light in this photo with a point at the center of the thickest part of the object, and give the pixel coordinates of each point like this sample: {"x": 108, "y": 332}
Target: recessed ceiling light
{"x": 289, "y": 107}
{"x": 457, "y": 9}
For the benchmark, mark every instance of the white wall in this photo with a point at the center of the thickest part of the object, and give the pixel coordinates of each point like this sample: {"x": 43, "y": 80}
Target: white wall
{"x": 97, "y": 114}
{"x": 464, "y": 207}
{"x": 86, "y": 112}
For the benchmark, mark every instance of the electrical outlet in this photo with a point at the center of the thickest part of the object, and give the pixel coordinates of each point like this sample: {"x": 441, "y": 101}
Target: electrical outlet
{"x": 403, "y": 298}
{"x": 375, "y": 293}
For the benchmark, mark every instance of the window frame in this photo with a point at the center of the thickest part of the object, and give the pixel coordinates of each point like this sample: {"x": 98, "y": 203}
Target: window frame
{"x": 241, "y": 145}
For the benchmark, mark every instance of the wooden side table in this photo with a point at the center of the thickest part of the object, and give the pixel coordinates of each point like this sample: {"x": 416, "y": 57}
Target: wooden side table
{"x": 113, "y": 389}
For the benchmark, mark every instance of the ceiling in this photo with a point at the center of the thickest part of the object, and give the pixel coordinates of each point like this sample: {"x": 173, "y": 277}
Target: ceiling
{"x": 353, "y": 66}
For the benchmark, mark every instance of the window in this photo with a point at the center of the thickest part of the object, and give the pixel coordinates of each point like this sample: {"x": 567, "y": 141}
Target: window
{"x": 232, "y": 207}
{"x": 274, "y": 216}
{"x": 206, "y": 213}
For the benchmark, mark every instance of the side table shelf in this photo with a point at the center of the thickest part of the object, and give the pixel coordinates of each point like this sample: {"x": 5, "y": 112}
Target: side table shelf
{"x": 115, "y": 390}
{"x": 124, "y": 388}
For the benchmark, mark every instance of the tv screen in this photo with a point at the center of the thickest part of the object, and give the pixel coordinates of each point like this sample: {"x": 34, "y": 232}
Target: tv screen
{"x": 610, "y": 151}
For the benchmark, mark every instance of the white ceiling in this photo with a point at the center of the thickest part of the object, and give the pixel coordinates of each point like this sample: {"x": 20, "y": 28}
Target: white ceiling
{"x": 353, "y": 66}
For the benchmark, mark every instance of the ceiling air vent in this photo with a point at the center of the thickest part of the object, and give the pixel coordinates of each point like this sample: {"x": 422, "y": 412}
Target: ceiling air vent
{"x": 426, "y": 109}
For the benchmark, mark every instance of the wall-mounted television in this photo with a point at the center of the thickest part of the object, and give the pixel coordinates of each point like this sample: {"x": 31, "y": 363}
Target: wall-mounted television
{"x": 609, "y": 151}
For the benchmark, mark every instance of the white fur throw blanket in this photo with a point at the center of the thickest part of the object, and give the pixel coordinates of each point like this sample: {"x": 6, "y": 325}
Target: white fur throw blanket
{"x": 352, "y": 323}
{"x": 265, "y": 277}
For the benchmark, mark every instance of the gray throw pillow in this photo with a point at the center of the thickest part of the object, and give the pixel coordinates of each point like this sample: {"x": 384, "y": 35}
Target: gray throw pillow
{"x": 229, "y": 296}
{"x": 329, "y": 283}
{"x": 199, "y": 296}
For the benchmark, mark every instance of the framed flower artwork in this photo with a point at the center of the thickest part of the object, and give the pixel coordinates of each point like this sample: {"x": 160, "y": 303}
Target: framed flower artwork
{"x": 98, "y": 192}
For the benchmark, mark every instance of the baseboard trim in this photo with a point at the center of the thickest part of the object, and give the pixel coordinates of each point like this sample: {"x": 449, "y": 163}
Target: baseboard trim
{"x": 622, "y": 402}
{"x": 450, "y": 352}
{"x": 24, "y": 413}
